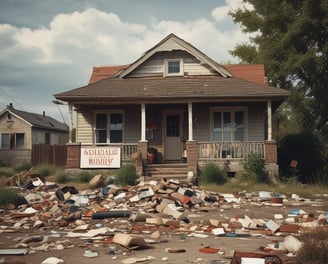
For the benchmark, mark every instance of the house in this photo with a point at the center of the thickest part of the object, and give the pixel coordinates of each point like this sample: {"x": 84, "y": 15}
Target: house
{"x": 19, "y": 130}
{"x": 173, "y": 104}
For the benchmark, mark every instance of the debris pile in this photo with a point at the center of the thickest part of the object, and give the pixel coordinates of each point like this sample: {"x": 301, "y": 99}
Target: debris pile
{"x": 150, "y": 215}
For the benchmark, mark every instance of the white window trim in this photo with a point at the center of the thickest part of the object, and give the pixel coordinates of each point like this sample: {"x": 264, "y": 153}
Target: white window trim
{"x": 166, "y": 67}
{"x": 108, "y": 112}
{"x": 15, "y": 135}
{"x": 1, "y": 140}
{"x": 229, "y": 109}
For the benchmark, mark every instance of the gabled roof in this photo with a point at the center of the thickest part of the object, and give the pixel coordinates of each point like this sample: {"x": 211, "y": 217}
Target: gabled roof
{"x": 120, "y": 88}
{"x": 172, "y": 42}
{"x": 36, "y": 120}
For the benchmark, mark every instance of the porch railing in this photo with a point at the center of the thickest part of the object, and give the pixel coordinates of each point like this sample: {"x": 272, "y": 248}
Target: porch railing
{"x": 229, "y": 150}
{"x": 127, "y": 150}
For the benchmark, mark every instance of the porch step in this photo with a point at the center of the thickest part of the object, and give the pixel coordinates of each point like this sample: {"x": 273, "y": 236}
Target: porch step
{"x": 174, "y": 171}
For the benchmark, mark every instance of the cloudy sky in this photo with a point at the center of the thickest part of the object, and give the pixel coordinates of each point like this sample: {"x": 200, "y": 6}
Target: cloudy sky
{"x": 50, "y": 46}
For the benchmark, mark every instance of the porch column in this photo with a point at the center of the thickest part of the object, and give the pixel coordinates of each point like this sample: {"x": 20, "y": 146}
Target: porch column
{"x": 143, "y": 122}
{"x": 190, "y": 132}
{"x": 70, "y": 122}
{"x": 269, "y": 110}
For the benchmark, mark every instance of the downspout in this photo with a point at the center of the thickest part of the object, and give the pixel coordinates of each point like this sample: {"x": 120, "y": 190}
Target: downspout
{"x": 190, "y": 130}
{"x": 269, "y": 110}
{"x": 70, "y": 122}
{"x": 143, "y": 122}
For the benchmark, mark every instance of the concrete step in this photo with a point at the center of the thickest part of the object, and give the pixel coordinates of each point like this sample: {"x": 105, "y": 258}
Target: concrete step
{"x": 177, "y": 171}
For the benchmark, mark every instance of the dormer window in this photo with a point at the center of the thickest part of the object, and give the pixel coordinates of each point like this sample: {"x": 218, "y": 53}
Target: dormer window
{"x": 173, "y": 67}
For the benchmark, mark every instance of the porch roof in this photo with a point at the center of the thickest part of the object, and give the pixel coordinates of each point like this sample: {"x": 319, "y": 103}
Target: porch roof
{"x": 192, "y": 88}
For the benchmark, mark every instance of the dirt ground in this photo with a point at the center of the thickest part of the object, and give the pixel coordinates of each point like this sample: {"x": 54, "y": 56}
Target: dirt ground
{"x": 176, "y": 239}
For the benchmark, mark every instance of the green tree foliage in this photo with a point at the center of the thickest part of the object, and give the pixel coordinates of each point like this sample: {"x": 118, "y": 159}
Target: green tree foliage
{"x": 290, "y": 38}
{"x": 307, "y": 150}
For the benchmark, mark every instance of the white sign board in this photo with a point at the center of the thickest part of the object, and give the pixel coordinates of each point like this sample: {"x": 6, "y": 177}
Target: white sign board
{"x": 100, "y": 157}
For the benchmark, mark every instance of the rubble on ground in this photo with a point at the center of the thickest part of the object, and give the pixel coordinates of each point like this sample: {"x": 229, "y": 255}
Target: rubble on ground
{"x": 148, "y": 214}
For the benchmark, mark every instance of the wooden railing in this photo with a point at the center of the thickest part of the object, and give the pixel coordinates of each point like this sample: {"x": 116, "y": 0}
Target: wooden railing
{"x": 229, "y": 150}
{"x": 127, "y": 150}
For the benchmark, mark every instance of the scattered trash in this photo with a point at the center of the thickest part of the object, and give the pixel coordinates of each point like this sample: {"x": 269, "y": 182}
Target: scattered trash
{"x": 90, "y": 254}
{"x": 175, "y": 250}
{"x": 124, "y": 219}
{"x": 13, "y": 251}
{"x": 52, "y": 260}
{"x": 209, "y": 250}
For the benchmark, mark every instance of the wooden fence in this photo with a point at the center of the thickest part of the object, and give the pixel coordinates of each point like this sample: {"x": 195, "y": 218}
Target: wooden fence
{"x": 48, "y": 154}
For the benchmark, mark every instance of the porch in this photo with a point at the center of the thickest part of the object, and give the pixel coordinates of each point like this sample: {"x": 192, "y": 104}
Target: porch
{"x": 200, "y": 153}
{"x": 197, "y": 154}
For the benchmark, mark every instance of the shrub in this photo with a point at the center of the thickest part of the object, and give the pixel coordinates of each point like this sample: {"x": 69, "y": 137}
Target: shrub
{"x": 315, "y": 248}
{"x": 126, "y": 175}
{"x": 61, "y": 176}
{"x": 45, "y": 170}
{"x": 24, "y": 166}
{"x": 254, "y": 168}
{"x": 308, "y": 150}
{"x": 8, "y": 196}
{"x": 83, "y": 177}
{"x": 212, "y": 173}
{"x": 4, "y": 164}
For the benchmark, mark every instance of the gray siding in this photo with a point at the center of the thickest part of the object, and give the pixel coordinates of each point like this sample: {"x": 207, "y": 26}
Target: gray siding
{"x": 84, "y": 127}
{"x": 154, "y": 66}
{"x": 256, "y": 123}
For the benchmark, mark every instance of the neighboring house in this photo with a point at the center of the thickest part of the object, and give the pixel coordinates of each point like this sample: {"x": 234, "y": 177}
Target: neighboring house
{"x": 19, "y": 130}
{"x": 178, "y": 104}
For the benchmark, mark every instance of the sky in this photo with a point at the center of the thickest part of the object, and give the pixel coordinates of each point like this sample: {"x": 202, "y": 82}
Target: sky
{"x": 50, "y": 46}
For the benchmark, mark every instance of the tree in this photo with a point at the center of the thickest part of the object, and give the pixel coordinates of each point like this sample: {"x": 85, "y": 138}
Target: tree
{"x": 291, "y": 39}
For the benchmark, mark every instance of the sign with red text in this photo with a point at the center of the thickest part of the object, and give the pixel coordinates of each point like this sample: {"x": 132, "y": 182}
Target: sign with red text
{"x": 100, "y": 157}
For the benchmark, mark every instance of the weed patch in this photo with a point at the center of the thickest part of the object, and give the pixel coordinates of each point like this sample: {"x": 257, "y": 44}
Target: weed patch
{"x": 212, "y": 173}
{"x": 315, "y": 248}
{"x": 10, "y": 196}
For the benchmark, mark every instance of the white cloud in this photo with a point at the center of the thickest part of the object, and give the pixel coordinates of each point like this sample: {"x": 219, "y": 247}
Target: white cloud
{"x": 60, "y": 57}
{"x": 222, "y": 12}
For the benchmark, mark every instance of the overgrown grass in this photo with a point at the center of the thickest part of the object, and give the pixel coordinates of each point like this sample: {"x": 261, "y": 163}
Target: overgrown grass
{"x": 6, "y": 173}
{"x": 84, "y": 177}
{"x": 22, "y": 167}
{"x": 45, "y": 170}
{"x": 10, "y": 196}
{"x": 4, "y": 164}
{"x": 126, "y": 175}
{"x": 315, "y": 248}
{"x": 61, "y": 176}
{"x": 212, "y": 173}
{"x": 315, "y": 191}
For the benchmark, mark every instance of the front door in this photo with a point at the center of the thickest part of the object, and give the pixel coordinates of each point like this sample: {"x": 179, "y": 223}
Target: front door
{"x": 173, "y": 145}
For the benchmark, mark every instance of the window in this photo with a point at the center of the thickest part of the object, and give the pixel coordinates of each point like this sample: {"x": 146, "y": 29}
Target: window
{"x": 47, "y": 138}
{"x": 109, "y": 128}
{"x": 12, "y": 141}
{"x": 228, "y": 125}
{"x": 5, "y": 142}
{"x": 20, "y": 141}
{"x": 174, "y": 67}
